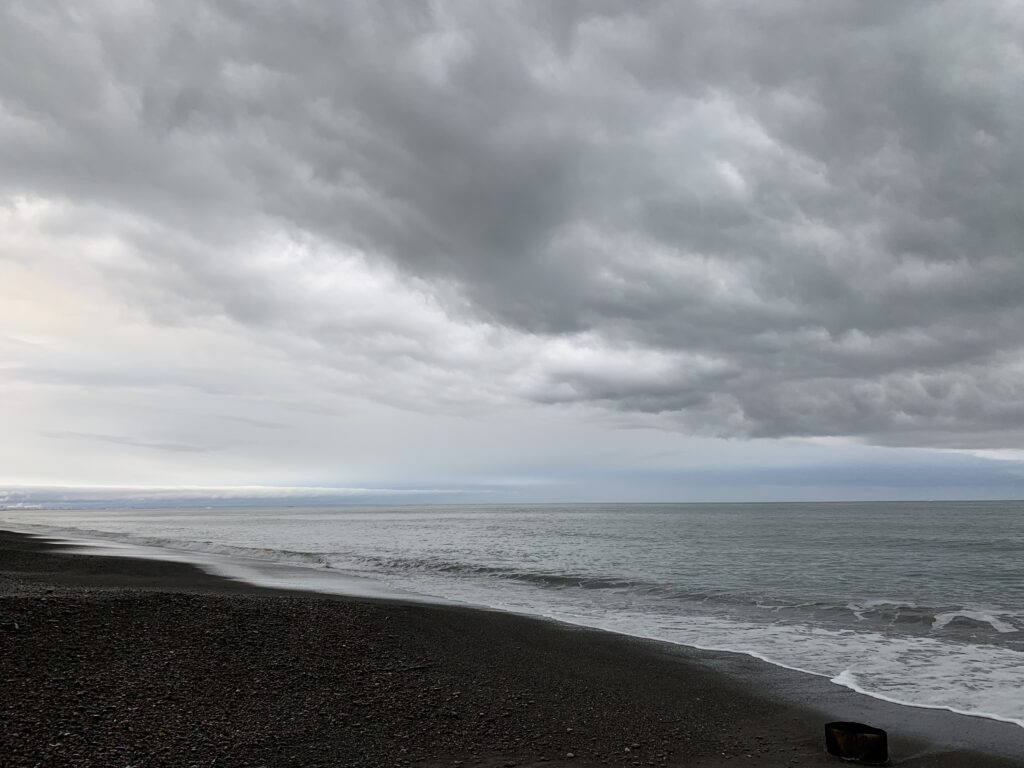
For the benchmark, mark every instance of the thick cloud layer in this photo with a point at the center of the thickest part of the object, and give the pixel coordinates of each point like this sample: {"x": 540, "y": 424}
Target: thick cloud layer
{"x": 756, "y": 220}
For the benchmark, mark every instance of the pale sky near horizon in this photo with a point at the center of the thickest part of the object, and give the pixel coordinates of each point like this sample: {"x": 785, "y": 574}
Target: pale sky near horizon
{"x": 512, "y": 251}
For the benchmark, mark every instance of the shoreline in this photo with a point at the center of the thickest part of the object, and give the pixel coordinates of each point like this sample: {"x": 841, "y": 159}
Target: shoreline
{"x": 260, "y": 573}
{"x": 589, "y": 693}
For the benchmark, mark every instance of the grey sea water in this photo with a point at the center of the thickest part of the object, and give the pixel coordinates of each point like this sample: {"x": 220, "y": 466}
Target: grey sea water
{"x": 920, "y": 603}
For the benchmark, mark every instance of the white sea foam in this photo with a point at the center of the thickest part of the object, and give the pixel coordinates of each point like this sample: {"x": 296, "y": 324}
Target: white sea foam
{"x": 943, "y": 619}
{"x": 975, "y": 680}
{"x": 860, "y": 609}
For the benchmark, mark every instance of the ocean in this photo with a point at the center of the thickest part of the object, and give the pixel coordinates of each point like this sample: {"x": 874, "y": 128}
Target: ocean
{"x": 917, "y": 603}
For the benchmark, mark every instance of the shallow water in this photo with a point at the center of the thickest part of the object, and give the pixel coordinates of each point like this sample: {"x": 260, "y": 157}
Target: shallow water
{"x": 921, "y": 603}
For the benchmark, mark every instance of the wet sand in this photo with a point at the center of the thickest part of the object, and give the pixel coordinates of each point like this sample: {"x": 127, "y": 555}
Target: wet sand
{"x": 109, "y": 661}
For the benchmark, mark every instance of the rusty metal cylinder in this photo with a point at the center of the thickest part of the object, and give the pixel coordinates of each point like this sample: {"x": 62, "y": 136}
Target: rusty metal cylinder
{"x": 856, "y": 741}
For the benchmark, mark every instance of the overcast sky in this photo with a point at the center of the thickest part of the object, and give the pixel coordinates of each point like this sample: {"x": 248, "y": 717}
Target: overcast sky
{"x": 513, "y": 251}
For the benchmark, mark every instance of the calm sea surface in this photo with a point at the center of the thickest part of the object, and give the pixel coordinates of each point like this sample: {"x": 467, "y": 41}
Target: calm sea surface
{"x": 921, "y": 603}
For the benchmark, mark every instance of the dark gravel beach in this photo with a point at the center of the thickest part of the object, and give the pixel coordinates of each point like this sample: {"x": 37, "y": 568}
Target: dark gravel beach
{"x": 120, "y": 662}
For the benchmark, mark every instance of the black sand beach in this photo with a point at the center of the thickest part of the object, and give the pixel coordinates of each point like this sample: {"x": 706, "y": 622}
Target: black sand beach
{"x": 120, "y": 662}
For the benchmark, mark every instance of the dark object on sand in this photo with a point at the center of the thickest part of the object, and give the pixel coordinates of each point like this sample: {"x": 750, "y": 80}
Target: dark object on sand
{"x": 856, "y": 741}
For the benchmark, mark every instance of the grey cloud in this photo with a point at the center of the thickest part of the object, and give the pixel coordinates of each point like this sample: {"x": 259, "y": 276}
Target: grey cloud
{"x": 260, "y": 423}
{"x": 821, "y": 199}
{"x": 132, "y": 442}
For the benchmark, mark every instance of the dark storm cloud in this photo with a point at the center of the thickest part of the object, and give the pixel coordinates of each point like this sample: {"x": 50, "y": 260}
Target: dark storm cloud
{"x": 806, "y": 217}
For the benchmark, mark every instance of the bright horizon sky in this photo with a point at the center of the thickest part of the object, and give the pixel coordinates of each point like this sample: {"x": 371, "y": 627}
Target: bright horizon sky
{"x": 516, "y": 252}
